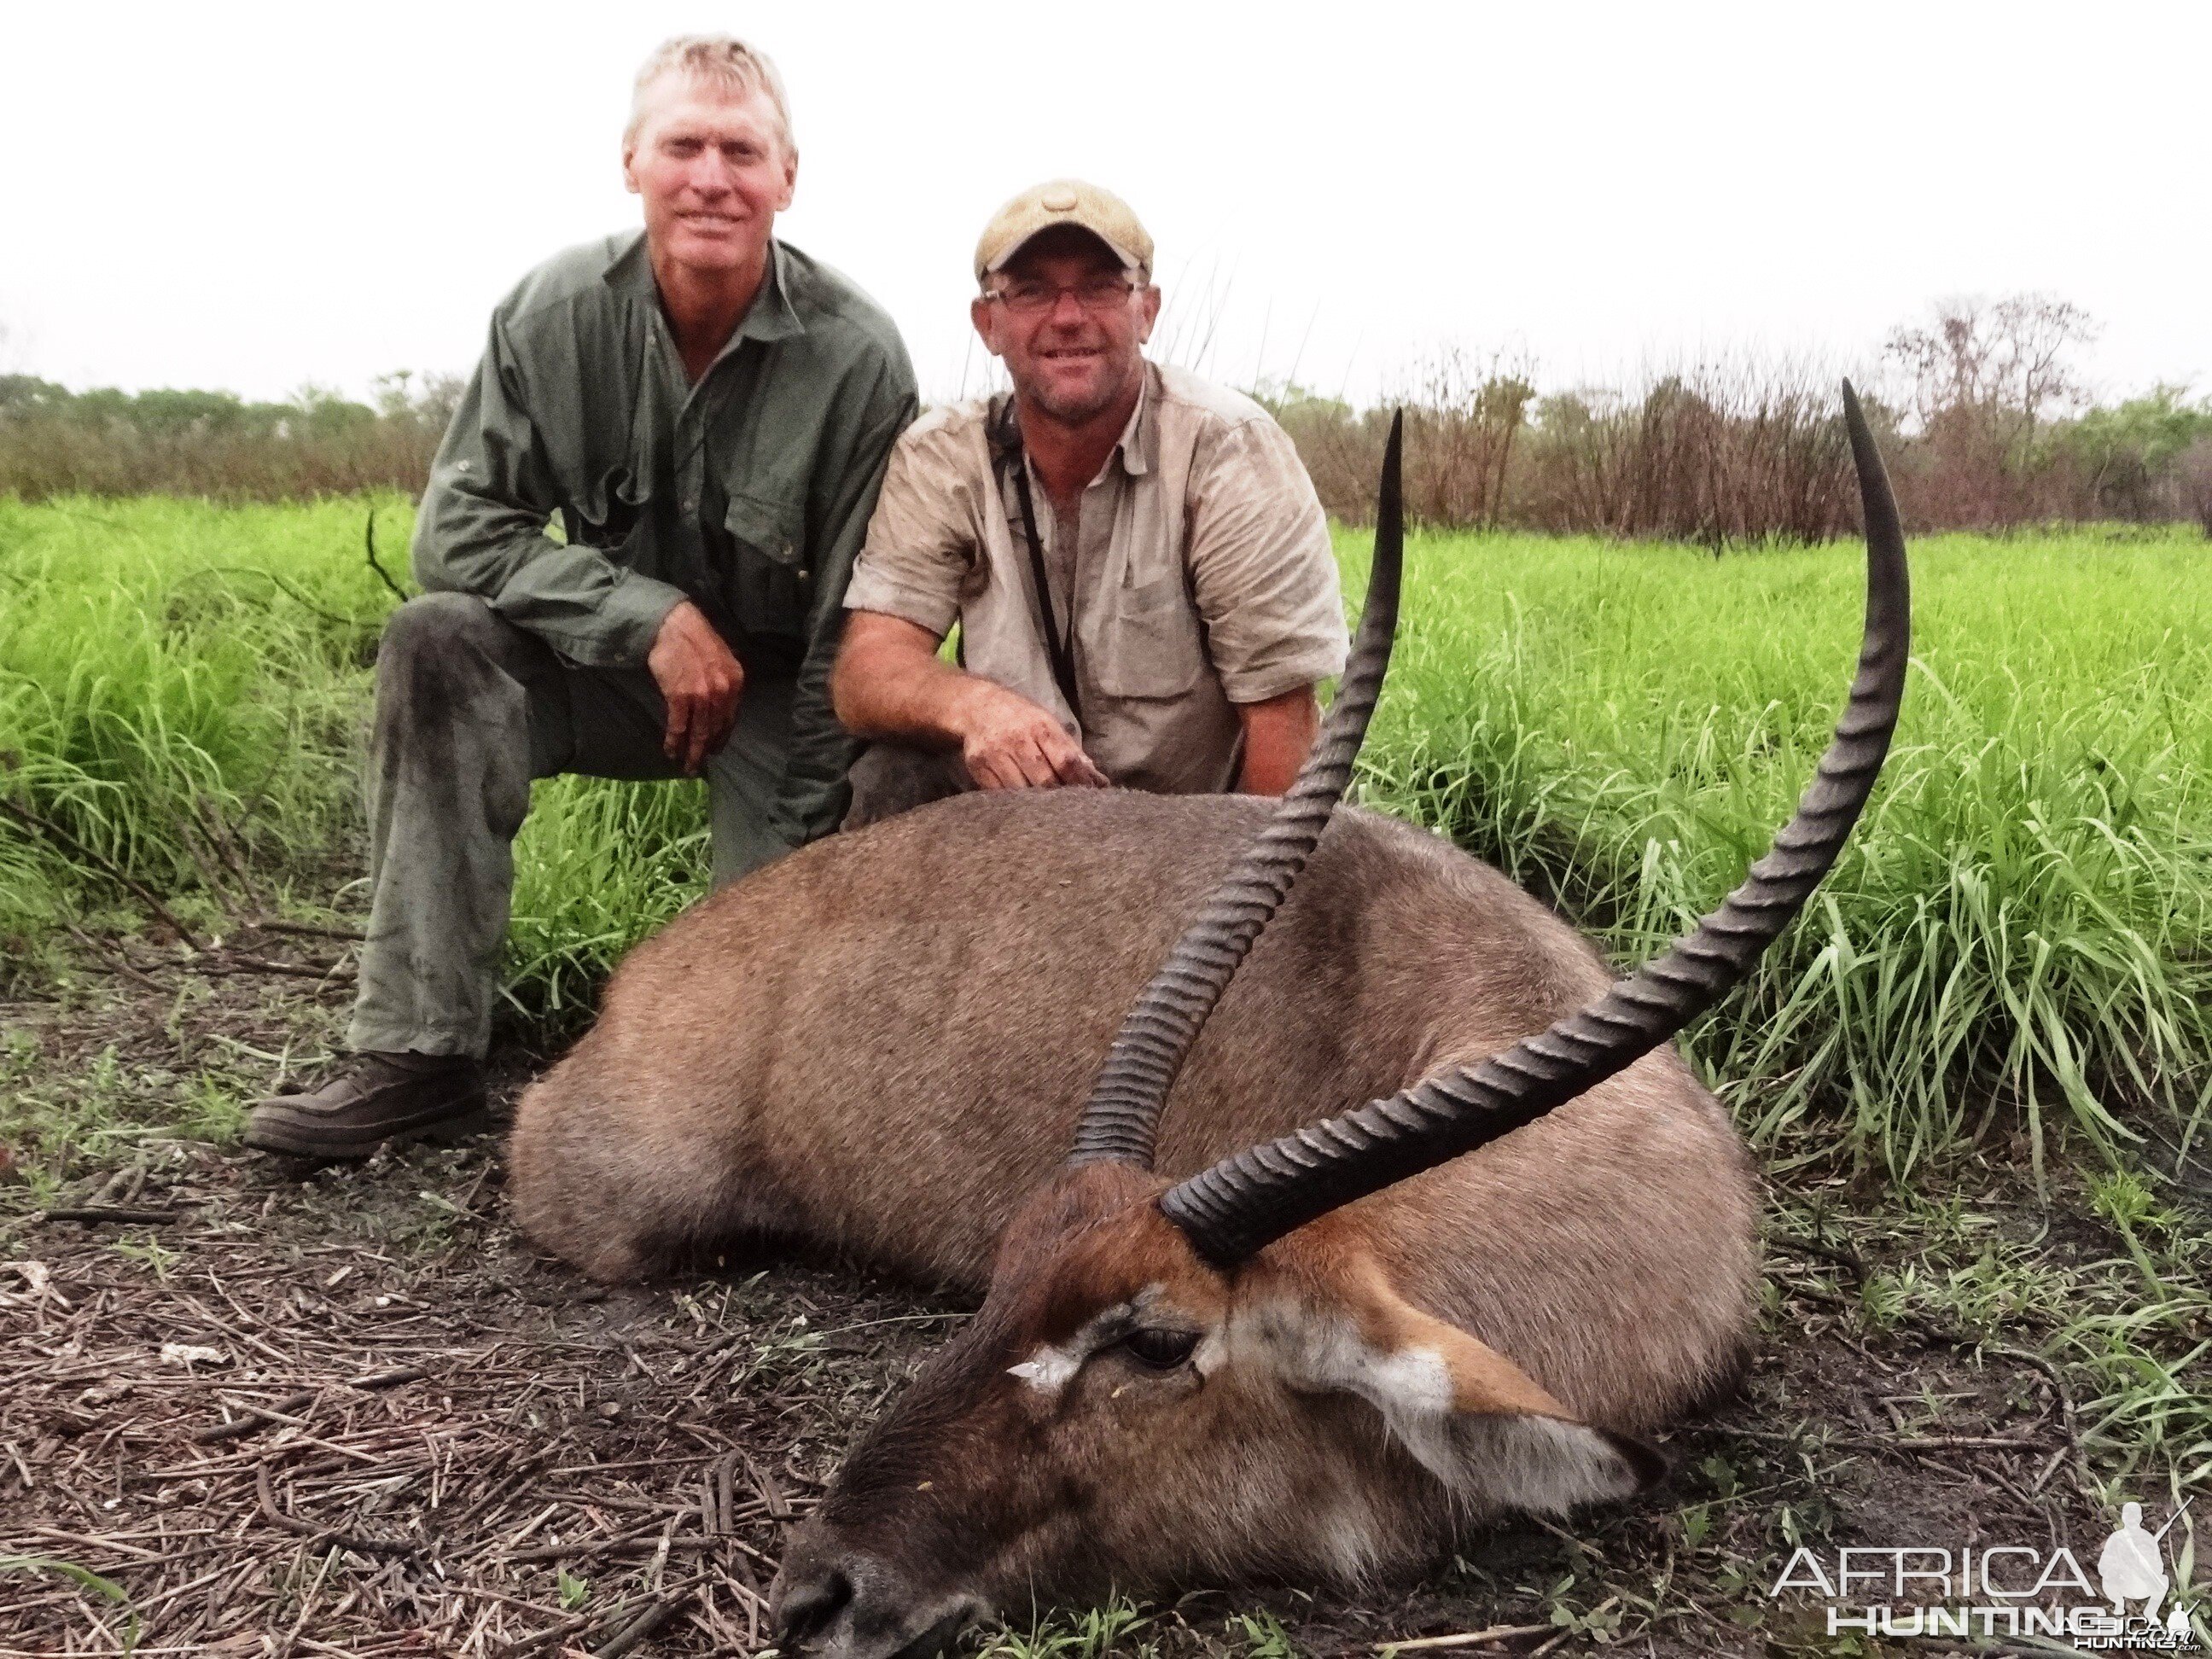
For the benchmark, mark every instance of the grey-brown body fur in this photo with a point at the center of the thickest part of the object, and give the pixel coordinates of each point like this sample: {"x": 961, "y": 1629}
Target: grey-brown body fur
{"x": 880, "y": 1045}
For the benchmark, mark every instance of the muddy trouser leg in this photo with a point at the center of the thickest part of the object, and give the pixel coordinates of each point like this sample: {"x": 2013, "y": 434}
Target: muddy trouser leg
{"x": 890, "y": 778}
{"x": 468, "y": 709}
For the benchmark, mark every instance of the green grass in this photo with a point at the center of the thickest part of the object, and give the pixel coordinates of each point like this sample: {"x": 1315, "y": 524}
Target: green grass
{"x": 179, "y": 693}
{"x": 1112, "y": 1628}
{"x": 183, "y": 695}
{"x": 108, "y": 1114}
{"x": 2013, "y": 953}
{"x": 2017, "y": 942}
{"x": 2133, "y": 1323}
{"x": 2018, "y": 935}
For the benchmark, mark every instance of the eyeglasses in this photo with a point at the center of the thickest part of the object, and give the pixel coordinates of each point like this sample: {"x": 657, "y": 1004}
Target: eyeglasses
{"x": 1035, "y": 298}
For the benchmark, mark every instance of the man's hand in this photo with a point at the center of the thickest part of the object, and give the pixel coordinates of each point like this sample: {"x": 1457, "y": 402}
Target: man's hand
{"x": 700, "y": 680}
{"x": 1007, "y": 742}
{"x": 889, "y": 683}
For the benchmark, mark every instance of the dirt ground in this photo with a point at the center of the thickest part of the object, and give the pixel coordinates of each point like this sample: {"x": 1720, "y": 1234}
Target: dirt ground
{"x": 251, "y": 1409}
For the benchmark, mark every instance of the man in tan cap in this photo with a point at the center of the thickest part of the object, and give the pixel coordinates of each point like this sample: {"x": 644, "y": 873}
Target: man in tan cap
{"x": 1139, "y": 564}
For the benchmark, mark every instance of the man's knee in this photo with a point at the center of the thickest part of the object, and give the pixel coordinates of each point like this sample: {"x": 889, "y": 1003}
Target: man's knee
{"x": 441, "y": 652}
{"x": 437, "y": 625}
{"x": 453, "y": 719}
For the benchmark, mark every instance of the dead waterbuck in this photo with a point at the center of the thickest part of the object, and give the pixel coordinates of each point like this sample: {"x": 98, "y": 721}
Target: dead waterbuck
{"x": 1215, "y": 1344}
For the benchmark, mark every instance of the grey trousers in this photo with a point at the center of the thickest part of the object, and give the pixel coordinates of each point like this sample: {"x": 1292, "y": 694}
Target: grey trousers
{"x": 468, "y": 709}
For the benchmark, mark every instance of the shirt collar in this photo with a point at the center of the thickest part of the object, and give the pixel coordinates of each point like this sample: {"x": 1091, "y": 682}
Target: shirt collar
{"x": 1138, "y": 448}
{"x": 1139, "y": 445}
{"x": 770, "y": 316}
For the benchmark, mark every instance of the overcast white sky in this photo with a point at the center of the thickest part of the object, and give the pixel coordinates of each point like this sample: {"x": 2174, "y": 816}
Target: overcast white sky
{"x": 252, "y": 197}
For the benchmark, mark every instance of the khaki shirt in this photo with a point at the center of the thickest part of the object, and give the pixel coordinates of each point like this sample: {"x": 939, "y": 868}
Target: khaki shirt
{"x": 748, "y": 493}
{"x": 1203, "y": 579}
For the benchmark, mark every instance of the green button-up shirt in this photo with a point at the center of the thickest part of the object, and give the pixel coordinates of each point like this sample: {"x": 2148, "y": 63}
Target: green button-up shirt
{"x": 748, "y": 493}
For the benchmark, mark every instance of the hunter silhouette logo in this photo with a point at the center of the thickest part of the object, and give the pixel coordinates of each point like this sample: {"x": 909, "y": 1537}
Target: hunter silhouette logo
{"x": 2006, "y": 1590}
{"x": 2131, "y": 1568}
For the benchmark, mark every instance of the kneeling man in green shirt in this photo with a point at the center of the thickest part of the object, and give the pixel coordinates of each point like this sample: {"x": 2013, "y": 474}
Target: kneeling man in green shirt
{"x": 706, "y": 412}
{"x": 1136, "y": 558}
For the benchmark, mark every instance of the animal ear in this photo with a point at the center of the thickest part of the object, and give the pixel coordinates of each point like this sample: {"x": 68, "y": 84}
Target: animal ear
{"x": 1472, "y": 1418}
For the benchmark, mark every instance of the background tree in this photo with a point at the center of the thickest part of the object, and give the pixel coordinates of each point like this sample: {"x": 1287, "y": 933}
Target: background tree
{"x": 1983, "y": 381}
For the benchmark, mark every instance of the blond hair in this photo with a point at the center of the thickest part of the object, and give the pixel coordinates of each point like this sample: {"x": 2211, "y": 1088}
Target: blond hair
{"x": 723, "y": 61}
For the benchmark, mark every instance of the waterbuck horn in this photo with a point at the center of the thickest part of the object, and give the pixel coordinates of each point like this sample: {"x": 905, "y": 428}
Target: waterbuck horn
{"x": 1120, "y": 1120}
{"x": 1244, "y": 1203}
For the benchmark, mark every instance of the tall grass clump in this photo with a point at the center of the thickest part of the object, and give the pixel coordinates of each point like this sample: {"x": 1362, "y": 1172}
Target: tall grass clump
{"x": 184, "y": 695}
{"x": 180, "y": 694}
{"x": 2016, "y": 942}
{"x": 600, "y": 865}
{"x": 2018, "y": 935}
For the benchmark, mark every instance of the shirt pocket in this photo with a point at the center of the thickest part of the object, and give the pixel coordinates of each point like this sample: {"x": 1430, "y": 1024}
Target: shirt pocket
{"x": 1151, "y": 645}
{"x": 770, "y": 588}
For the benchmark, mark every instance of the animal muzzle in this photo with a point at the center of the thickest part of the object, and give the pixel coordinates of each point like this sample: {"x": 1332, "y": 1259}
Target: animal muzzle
{"x": 829, "y": 1601}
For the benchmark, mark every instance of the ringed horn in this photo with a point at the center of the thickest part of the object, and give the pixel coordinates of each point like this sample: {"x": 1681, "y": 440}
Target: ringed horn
{"x": 1240, "y": 1206}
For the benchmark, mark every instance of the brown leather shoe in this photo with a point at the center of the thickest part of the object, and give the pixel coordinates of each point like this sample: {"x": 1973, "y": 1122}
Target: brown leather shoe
{"x": 373, "y": 1100}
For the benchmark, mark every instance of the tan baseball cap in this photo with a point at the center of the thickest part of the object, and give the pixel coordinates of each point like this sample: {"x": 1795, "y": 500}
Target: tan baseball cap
{"x": 1063, "y": 202}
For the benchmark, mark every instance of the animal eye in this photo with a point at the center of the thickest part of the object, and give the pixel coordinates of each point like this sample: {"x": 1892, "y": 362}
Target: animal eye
{"x": 1163, "y": 1350}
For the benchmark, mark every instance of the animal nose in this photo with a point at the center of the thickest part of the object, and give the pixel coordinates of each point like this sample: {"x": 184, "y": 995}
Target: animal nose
{"x": 808, "y": 1604}
{"x": 829, "y": 1603}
